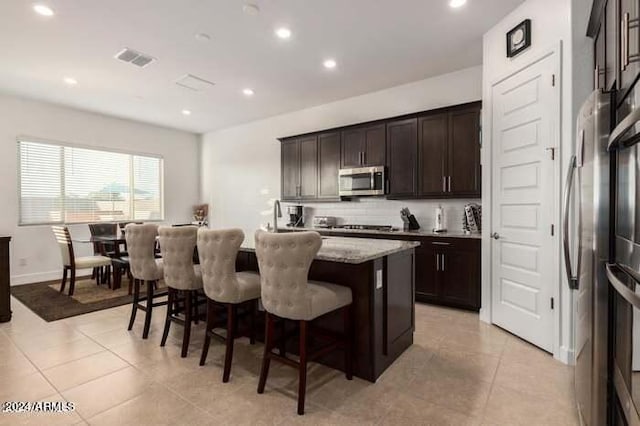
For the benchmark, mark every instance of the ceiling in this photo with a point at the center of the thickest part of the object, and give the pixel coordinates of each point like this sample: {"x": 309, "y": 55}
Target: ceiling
{"x": 376, "y": 43}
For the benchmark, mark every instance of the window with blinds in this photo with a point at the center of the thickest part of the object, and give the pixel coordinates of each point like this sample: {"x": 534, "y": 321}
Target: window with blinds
{"x": 68, "y": 184}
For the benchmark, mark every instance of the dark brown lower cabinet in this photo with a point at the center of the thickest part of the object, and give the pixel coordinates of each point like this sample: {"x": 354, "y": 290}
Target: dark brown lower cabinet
{"x": 5, "y": 280}
{"x": 448, "y": 272}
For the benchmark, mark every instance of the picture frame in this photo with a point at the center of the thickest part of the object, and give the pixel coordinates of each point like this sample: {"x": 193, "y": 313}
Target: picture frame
{"x": 519, "y": 38}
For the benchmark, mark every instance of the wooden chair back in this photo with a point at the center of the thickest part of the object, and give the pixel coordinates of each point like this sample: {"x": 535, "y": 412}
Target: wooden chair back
{"x": 63, "y": 238}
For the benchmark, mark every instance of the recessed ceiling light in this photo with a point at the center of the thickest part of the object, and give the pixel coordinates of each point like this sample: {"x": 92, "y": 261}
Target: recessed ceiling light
{"x": 251, "y": 9}
{"x": 70, "y": 81}
{"x": 186, "y": 112}
{"x": 283, "y": 33}
{"x": 457, "y": 3}
{"x": 202, "y": 37}
{"x": 329, "y": 63}
{"x": 248, "y": 92}
{"x": 43, "y": 10}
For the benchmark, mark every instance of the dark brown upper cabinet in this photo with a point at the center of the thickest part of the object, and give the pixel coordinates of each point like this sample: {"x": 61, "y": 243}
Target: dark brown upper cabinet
{"x": 299, "y": 158}
{"x": 463, "y": 158}
{"x": 328, "y": 165}
{"x": 402, "y": 150}
{"x": 364, "y": 146}
{"x": 449, "y": 154}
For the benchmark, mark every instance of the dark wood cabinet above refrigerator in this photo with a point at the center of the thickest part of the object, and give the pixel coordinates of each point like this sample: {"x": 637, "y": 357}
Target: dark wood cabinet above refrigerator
{"x": 430, "y": 154}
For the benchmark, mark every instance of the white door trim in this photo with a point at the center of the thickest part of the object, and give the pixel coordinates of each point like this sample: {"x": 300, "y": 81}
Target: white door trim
{"x": 487, "y": 197}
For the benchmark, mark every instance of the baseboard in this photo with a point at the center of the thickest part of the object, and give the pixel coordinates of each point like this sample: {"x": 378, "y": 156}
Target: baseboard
{"x": 40, "y": 277}
{"x": 565, "y": 355}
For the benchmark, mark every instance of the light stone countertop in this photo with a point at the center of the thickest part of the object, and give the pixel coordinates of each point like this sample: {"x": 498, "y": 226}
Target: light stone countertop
{"x": 351, "y": 250}
{"x": 390, "y": 234}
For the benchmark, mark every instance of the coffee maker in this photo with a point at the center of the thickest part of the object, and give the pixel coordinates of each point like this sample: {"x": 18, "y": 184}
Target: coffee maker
{"x": 296, "y": 219}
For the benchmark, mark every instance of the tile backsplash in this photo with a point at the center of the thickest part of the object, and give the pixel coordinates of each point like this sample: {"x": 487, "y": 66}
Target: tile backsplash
{"x": 379, "y": 211}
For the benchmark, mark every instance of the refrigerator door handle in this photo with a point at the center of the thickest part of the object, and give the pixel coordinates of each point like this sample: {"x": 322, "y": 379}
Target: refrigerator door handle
{"x": 621, "y": 129}
{"x": 573, "y": 279}
{"x": 624, "y": 291}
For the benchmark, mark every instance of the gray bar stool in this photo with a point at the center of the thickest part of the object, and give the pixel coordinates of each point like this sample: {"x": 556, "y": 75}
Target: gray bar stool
{"x": 145, "y": 268}
{"x": 287, "y": 294}
{"x": 182, "y": 278}
{"x": 224, "y": 286}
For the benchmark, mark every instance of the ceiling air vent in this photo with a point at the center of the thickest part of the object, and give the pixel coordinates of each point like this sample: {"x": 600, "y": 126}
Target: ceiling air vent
{"x": 192, "y": 82}
{"x": 134, "y": 57}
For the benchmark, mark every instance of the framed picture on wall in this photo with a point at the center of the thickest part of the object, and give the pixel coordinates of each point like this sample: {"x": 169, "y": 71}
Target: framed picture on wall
{"x": 519, "y": 38}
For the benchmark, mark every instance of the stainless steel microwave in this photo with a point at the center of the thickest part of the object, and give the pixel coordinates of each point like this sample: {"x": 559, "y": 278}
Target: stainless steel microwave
{"x": 362, "y": 181}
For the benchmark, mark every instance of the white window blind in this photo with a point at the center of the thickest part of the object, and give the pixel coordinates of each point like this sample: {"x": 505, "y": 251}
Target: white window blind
{"x": 67, "y": 184}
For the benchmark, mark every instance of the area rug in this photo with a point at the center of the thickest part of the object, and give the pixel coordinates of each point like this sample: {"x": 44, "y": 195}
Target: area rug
{"x": 48, "y": 303}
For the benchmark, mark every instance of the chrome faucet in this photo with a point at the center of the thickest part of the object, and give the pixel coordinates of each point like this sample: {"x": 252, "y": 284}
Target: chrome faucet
{"x": 277, "y": 212}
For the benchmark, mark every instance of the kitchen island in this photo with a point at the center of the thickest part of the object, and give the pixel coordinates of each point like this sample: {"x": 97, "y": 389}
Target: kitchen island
{"x": 380, "y": 274}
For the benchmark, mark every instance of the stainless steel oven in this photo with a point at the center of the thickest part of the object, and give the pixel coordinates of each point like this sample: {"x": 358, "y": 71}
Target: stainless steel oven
{"x": 362, "y": 181}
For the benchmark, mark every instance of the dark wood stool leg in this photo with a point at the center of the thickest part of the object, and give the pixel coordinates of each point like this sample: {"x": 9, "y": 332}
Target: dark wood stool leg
{"x": 232, "y": 312}
{"x": 348, "y": 341}
{"x": 282, "y": 347}
{"x": 195, "y": 306}
{"x": 209, "y": 328}
{"x": 72, "y": 284}
{"x": 302, "y": 372}
{"x": 187, "y": 322}
{"x": 149, "y": 310}
{"x": 167, "y": 320}
{"x": 252, "y": 321}
{"x": 64, "y": 279}
{"x": 266, "y": 358}
{"x": 136, "y": 299}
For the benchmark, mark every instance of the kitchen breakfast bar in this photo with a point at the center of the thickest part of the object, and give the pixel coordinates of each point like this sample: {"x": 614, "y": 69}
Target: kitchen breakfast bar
{"x": 380, "y": 274}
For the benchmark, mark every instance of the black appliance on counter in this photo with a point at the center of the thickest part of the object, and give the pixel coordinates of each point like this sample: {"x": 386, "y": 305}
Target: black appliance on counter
{"x": 296, "y": 216}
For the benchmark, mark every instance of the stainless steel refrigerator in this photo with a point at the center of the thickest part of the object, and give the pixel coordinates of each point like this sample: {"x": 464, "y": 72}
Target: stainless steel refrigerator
{"x": 586, "y": 231}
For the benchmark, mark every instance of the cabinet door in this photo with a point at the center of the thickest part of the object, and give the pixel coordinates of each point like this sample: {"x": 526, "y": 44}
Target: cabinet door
{"x": 426, "y": 273}
{"x": 629, "y": 44}
{"x": 402, "y": 150}
{"x": 375, "y": 146}
{"x": 308, "y": 168}
{"x": 463, "y": 173}
{"x": 432, "y": 143}
{"x": 459, "y": 282}
{"x": 353, "y": 147}
{"x": 328, "y": 164}
{"x": 290, "y": 157}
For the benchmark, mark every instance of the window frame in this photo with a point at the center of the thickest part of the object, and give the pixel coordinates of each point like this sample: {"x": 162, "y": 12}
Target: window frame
{"x": 27, "y": 139}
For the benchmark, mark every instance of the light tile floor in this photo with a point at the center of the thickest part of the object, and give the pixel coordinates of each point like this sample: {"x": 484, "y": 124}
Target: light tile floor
{"x": 459, "y": 372}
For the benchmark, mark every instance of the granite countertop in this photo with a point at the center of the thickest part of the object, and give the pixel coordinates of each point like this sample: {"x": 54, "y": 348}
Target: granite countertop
{"x": 351, "y": 250}
{"x": 418, "y": 233}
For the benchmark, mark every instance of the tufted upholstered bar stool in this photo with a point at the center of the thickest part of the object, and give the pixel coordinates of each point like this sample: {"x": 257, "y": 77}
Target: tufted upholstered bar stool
{"x": 145, "y": 269}
{"x": 181, "y": 276}
{"x": 284, "y": 261}
{"x": 218, "y": 250}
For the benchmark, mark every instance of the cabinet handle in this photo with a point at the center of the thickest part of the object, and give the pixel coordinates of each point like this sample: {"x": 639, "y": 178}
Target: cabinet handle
{"x": 437, "y": 262}
{"x": 364, "y": 158}
{"x": 443, "y": 268}
{"x": 625, "y": 41}
{"x": 440, "y": 243}
{"x": 444, "y": 184}
{"x": 448, "y": 183}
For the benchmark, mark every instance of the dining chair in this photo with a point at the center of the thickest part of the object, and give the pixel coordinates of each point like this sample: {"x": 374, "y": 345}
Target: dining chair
{"x": 287, "y": 294}
{"x": 102, "y": 249}
{"x": 145, "y": 269}
{"x": 182, "y": 277}
{"x": 70, "y": 262}
{"x": 223, "y": 286}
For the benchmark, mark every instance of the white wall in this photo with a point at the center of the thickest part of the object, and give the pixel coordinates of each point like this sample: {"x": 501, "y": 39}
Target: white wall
{"x": 241, "y": 165}
{"x": 554, "y": 23}
{"x": 35, "y": 245}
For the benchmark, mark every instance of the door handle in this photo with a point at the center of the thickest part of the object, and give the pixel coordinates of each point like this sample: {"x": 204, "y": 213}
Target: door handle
{"x": 495, "y": 236}
{"x": 573, "y": 279}
{"x": 627, "y": 293}
{"x": 449, "y": 183}
{"x": 624, "y": 29}
{"x": 437, "y": 262}
{"x": 443, "y": 267}
{"x": 444, "y": 184}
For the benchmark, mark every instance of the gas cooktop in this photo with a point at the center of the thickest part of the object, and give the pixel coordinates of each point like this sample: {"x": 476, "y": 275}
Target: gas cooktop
{"x": 388, "y": 228}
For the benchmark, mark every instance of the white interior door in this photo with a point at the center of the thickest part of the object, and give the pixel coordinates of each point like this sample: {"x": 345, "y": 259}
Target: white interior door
{"x": 524, "y": 191}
